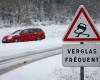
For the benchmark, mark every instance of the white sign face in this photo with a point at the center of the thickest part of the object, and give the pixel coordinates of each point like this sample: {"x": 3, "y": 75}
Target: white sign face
{"x": 82, "y": 29}
{"x": 77, "y": 55}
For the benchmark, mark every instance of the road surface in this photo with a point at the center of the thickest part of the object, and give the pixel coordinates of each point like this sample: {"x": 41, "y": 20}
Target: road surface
{"x": 18, "y": 61}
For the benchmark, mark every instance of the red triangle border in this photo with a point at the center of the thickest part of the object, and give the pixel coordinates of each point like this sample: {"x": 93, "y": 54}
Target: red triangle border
{"x": 73, "y": 23}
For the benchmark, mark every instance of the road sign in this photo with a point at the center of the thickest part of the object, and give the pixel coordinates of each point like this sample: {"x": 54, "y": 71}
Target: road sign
{"x": 82, "y": 27}
{"x": 76, "y": 55}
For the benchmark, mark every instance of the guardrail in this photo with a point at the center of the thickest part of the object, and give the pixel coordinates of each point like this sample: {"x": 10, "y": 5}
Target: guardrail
{"x": 15, "y": 61}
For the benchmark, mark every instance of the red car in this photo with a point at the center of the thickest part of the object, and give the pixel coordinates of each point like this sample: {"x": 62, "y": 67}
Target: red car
{"x": 30, "y": 34}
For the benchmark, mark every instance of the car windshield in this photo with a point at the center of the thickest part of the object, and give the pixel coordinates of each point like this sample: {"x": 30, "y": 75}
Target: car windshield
{"x": 16, "y": 32}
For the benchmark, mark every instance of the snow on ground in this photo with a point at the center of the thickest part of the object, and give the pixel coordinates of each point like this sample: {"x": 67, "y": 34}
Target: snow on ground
{"x": 54, "y": 35}
{"x": 18, "y": 48}
{"x": 46, "y": 69}
{"x": 50, "y": 69}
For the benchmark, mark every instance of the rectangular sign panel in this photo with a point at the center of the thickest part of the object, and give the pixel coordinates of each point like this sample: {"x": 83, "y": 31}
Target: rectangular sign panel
{"x": 77, "y": 55}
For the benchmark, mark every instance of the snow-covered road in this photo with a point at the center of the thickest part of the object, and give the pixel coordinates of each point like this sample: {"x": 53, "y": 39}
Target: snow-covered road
{"x": 14, "y": 63}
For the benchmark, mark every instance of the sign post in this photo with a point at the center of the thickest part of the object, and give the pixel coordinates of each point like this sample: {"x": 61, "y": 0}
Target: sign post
{"x": 81, "y": 69}
{"x": 81, "y": 73}
{"x": 81, "y": 55}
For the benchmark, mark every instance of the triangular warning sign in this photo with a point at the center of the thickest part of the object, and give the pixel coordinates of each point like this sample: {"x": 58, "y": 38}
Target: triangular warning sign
{"x": 82, "y": 27}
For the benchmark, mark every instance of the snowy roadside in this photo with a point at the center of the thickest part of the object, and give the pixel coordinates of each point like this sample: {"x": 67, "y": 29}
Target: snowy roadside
{"x": 54, "y": 34}
{"x": 50, "y": 69}
{"x": 46, "y": 69}
{"x": 18, "y": 48}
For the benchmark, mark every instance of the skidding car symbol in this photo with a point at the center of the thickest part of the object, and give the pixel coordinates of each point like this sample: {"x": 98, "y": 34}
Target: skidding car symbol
{"x": 81, "y": 28}
{"x": 30, "y": 34}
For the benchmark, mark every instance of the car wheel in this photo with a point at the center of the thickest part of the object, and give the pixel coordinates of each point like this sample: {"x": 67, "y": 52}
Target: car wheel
{"x": 38, "y": 38}
{"x": 16, "y": 40}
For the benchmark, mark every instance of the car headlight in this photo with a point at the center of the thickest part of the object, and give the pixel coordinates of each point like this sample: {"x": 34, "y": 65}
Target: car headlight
{"x": 10, "y": 37}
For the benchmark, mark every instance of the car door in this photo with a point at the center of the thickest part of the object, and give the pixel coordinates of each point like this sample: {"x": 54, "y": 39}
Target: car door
{"x": 32, "y": 34}
{"x": 24, "y": 36}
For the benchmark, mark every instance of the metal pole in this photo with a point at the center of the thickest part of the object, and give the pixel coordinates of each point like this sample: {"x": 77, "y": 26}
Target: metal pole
{"x": 81, "y": 69}
{"x": 81, "y": 73}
